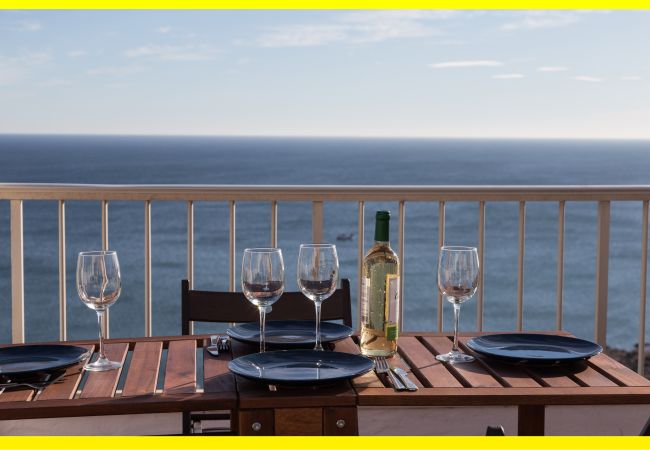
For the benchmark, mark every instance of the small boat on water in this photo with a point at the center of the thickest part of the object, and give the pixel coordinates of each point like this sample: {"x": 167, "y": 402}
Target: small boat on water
{"x": 345, "y": 237}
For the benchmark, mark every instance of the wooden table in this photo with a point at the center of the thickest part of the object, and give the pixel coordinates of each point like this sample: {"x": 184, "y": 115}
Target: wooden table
{"x": 160, "y": 376}
{"x": 485, "y": 382}
{"x": 163, "y": 375}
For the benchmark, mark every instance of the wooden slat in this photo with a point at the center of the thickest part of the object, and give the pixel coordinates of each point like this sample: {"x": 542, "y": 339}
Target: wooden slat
{"x": 591, "y": 377}
{"x": 67, "y": 386}
{"x": 513, "y": 376}
{"x": 147, "y": 270}
{"x": 559, "y": 276}
{"x": 180, "y": 372}
{"x": 317, "y": 222}
{"x": 401, "y": 231}
{"x": 368, "y": 379}
{"x": 216, "y": 376}
{"x": 18, "y": 395}
{"x": 441, "y": 242}
{"x": 17, "y": 273}
{"x": 143, "y": 370}
{"x": 481, "y": 270}
{"x": 530, "y": 420}
{"x": 425, "y": 365}
{"x": 298, "y": 421}
{"x": 552, "y": 376}
{"x": 643, "y": 298}
{"x": 520, "y": 265}
{"x": 617, "y": 371}
{"x": 472, "y": 372}
{"x": 232, "y": 233}
{"x": 103, "y": 384}
{"x": 63, "y": 334}
{"x": 602, "y": 273}
{"x": 360, "y": 254}
{"x": 274, "y": 224}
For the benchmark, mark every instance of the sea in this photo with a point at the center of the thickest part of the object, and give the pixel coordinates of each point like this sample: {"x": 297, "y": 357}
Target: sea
{"x": 325, "y": 161}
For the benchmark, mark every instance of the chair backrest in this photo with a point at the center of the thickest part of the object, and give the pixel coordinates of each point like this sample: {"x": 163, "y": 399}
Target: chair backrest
{"x": 210, "y": 306}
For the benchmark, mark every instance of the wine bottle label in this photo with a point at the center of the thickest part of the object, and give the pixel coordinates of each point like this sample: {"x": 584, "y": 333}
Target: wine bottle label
{"x": 365, "y": 300}
{"x": 392, "y": 306}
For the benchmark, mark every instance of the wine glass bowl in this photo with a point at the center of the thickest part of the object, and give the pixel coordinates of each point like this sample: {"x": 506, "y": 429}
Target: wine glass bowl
{"x": 99, "y": 284}
{"x": 318, "y": 274}
{"x": 262, "y": 280}
{"x": 458, "y": 270}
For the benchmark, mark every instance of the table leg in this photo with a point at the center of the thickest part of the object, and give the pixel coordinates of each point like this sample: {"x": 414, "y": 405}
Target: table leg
{"x": 530, "y": 420}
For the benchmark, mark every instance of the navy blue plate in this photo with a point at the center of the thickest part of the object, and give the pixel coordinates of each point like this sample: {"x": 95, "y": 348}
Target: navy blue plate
{"x": 39, "y": 358}
{"x": 300, "y": 366}
{"x": 534, "y": 349}
{"x": 289, "y": 333}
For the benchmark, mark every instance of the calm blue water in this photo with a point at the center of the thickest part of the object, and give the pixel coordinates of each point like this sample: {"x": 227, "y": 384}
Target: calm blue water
{"x": 169, "y": 160}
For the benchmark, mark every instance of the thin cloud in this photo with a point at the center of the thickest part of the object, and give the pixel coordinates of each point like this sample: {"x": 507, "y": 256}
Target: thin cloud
{"x": 55, "y": 82}
{"x": 552, "y": 69}
{"x": 17, "y": 68}
{"x": 589, "y": 79}
{"x": 76, "y": 53}
{"x": 357, "y": 27}
{"x": 508, "y": 76}
{"x": 631, "y": 78}
{"x": 29, "y": 25}
{"x": 172, "y": 52}
{"x": 114, "y": 71}
{"x": 464, "y": 64}
{"x": 534, "y": 20}
{"x": 164, "y": 29}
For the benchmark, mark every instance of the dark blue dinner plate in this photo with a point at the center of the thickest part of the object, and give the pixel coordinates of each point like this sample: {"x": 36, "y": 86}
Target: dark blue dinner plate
{"x": 534, "y": 349}
{"x": 300, "y": 366}
{"x": 289, "y": 333}
{"x": 39, "y": 358}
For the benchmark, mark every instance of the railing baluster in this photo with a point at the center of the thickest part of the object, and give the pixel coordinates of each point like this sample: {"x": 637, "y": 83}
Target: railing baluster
{"x": 400, "y": 243}
{"x": 17, "y": 274}
{"x": 520, "y": 266}
{"x": 63, "y": 329}
{"x": 644, "y": 275}
{"x": 481, "y": 265}
{"x": 560, "y": 266}
{"x": 602, "y": 267}
{"x": 147, "y": 270}
{"x": 360, "y": 255}
{"x": 231, "y": 247}
{"x": 317, "y": 222}
{"x": 441, "y": 242}
{"x": 190, "y": 250}
{"x": 274, "y": 224}
{"x": 106, "y": 317}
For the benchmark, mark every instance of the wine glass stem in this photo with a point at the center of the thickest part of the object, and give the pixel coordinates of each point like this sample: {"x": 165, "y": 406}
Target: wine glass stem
{"x": 318, "y": 345}
{"x": 454, "y": 348}
{"x": 262, "y": 329}
{"x": 102, "y": 333}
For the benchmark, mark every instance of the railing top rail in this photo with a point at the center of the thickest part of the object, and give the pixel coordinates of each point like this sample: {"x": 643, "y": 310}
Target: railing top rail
{"x": 177, "y": 192}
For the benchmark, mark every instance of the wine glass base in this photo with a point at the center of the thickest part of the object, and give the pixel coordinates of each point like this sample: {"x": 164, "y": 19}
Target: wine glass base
{"x": 455, "y": 357}
{"x": 101, "y": 365}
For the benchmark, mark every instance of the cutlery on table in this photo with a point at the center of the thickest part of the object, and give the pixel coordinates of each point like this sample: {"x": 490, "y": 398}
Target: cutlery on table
{"x": 381, "y": 366}
{"x": 404, "y": 377}
{"x": 33, "y": 384}
{"x": 217, "y": 344}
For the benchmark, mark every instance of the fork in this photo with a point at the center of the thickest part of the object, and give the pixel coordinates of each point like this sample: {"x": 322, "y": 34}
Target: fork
{"x": 381, "y": 366}
{"x": 34, "y": 384}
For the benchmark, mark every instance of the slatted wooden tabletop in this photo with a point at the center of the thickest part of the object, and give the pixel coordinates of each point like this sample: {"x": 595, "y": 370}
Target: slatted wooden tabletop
{"x": 172, "y": 374}
{"x": 158, "y": 375}
{"x": 601, "y": 380}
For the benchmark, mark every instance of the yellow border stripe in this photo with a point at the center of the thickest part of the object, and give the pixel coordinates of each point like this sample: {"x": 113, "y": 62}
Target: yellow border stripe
{"x": 323, "y": 4}
{"x": 324, "y": 443}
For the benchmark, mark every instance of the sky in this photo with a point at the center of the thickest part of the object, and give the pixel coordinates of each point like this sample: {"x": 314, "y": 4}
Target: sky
{"x": 434, "y": 73}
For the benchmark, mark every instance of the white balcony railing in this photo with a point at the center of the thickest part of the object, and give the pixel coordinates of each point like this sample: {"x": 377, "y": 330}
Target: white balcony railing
{"x": 232, "y": 194}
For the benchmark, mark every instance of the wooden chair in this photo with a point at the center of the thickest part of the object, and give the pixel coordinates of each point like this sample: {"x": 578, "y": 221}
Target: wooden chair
{"x": 226, "y": 307}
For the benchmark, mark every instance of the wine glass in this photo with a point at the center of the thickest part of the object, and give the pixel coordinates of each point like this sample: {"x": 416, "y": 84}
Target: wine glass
{"x": 457, "y": 280}
{"x": 99, "y": 284}
{"x": 318, "y": 274}
{"x": 262, "y": 280}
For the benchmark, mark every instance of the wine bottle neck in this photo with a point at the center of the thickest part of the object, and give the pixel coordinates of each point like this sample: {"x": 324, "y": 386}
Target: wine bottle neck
{"x": 382, "y": 231}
